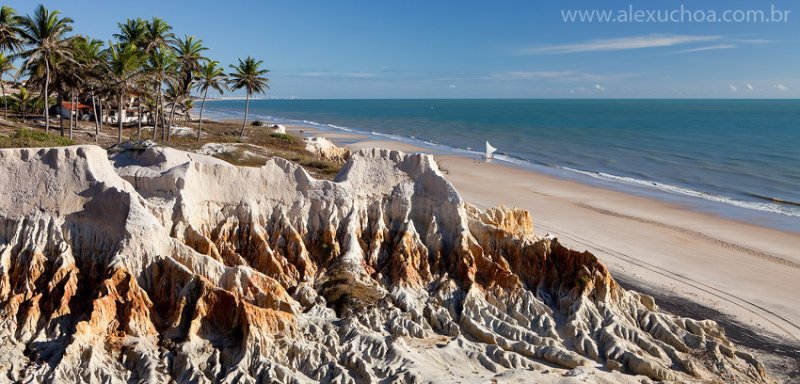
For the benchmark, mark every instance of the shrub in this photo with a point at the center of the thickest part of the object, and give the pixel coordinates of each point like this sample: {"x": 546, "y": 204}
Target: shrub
{"x": 283, "y": 137}
{"x": 257, "y": 123}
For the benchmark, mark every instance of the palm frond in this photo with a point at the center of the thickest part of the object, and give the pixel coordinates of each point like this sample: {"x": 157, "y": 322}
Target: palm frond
{"x": 248, "y": 75}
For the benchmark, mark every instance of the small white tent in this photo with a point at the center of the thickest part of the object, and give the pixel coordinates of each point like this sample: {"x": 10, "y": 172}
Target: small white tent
{"x": 489, "y": 151}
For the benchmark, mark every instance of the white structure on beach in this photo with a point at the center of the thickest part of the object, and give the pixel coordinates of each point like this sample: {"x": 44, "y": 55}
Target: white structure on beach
{"x": 489, "y": 151}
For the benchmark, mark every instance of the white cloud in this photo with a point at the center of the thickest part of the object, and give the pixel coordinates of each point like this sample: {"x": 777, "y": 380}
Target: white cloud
{"x": 599, "y": 87}
{"x": 452, "y": 86}
{"x": 733, "y": 88}
{"x": 781, "y": 87}
{"x": 749, "y": 87}
{"x": 708, "y": 48}
{"x": 623, "y": 43}
{"x": 754, "y": 41}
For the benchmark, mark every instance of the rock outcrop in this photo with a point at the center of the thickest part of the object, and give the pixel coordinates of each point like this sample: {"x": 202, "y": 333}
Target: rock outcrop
{"x": 156, "y": 266}
{"x": 326, "y": 149}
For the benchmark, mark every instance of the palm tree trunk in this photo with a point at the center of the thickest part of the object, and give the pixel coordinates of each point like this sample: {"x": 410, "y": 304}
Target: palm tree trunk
{"x": 5, "y": 99}
{"x": 163, "y": 119}
{"x": 71, "y": 107}
{"x": 200, "y": 123}
{"x": 77, "y": 112}
{"x": 155, "y": 120}
{"x": 139, "y": 130}
{"x": 169, "y": 126}
{"x": 246, "y": 110}
{"x": 100, "y": 126}
{"x": 46, "y": 101}
{"x": 96, "y": 121}
{"x": 119, "y": 117}
{"x": 60, "y": 100}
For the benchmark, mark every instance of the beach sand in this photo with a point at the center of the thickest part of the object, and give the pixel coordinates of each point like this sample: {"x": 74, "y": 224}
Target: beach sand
{"x": 744, "y": 276}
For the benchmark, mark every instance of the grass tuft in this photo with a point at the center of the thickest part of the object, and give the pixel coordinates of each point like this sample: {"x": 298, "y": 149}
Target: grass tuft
{"x": 283, "y": 137}
{"x": 26, "y": 138}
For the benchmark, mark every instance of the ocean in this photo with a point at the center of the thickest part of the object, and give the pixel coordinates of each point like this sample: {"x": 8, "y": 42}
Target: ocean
{"x": 735, "y": 158}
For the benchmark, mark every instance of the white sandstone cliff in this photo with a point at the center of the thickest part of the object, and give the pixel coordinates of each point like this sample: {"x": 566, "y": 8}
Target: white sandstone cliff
{"x": 158, "y": 265}
{"x": 326, "y": 149}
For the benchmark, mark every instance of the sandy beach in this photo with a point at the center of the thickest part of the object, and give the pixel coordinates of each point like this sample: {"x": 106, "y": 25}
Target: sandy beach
{"x": 696, "y": 264}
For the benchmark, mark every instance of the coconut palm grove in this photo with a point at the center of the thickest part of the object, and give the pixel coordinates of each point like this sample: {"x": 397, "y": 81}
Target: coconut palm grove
{"x": 142, "y": 77}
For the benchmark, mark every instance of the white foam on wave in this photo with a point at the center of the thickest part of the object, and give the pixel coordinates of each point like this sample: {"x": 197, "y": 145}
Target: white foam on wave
{"x": 654, "y": 185}
{"x": 764, "y": 207}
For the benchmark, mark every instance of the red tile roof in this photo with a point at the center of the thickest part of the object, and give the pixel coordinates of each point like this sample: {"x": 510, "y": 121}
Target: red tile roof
{"x": 68, "y": 105}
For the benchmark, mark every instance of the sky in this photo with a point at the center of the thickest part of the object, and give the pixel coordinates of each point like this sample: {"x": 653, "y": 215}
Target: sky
{"x": 485, "y": 49}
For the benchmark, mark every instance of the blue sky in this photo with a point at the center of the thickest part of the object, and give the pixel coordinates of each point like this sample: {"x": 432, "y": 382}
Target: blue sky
{"x": 474, "y": 49}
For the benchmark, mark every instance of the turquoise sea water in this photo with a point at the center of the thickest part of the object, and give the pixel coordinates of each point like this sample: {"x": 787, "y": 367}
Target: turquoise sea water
{"x": 737, "y": 158}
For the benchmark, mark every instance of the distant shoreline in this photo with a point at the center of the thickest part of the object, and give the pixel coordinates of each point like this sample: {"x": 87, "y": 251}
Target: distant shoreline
{"x": 733, "y": 198}
{"x": 243, "y": 98}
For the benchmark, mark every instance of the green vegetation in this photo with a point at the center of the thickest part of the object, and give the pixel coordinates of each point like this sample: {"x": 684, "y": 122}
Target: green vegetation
{"x": 144, "y": 70}
{"x": 25, "y": 138}
{"x": 259, "y": 147}
{"x": 283, "y": 137}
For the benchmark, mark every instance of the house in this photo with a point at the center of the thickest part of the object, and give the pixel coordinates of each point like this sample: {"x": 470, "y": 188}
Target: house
{"x": 68, "y": 109}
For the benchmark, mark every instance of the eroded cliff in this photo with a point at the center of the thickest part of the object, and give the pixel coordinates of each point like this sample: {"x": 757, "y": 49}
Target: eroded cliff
{"x": 159, "y": 265}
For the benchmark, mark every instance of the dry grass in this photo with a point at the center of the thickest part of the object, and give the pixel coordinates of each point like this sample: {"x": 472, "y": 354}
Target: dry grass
{"x": 258, "y": 145}
{"x": 26, "y": 138}
{"x": 344, "y": 293}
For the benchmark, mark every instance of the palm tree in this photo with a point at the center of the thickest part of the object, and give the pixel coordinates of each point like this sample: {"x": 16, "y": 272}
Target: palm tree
{"x": 90, "y": 55}
{"x": 9, "y": 37}
{"x": 125, "y": 66}
{"x": 44, "y": 35}
{"x": 143, "y": 85}
{"x": 9, "y": 41}
{"x": 175, "y": 96}
{"x": 250, "y": 76}
{"x": 5, "y": 66}
{"x": 68, "y": 80}
{"x": 22, "y": 100}
{"x": 161, "y": 66}
{"x": 157, "y": 35}
{"x": 188, "y": 105}
{"x": 190, "y": 53}
{"x": 133, "y": 31}
{"x": 209, "y": 76}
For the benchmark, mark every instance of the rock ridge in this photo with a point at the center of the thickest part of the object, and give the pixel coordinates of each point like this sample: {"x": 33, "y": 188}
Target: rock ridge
{"x": 155, "y": 265}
